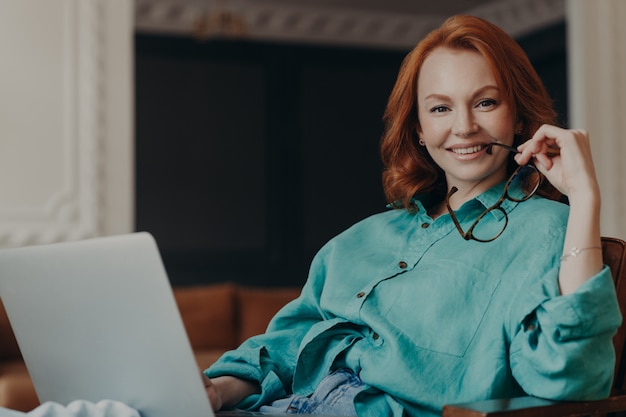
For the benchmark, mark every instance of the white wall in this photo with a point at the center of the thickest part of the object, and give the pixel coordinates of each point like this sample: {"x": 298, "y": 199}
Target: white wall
{"x": 597, "y": 90}
{"x": 66, "y": 146}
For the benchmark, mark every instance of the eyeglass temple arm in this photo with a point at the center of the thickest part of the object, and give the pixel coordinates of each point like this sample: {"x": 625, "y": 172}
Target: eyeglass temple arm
{"x": 510, "y": 148}
{"x": 552, "y": 152}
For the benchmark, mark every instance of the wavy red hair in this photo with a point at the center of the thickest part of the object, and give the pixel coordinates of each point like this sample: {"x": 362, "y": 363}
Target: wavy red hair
{"x": 409, "y": 169}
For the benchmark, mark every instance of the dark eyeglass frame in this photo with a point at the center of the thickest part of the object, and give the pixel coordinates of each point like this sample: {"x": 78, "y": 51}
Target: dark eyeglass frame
{"x": 497, "y": 205}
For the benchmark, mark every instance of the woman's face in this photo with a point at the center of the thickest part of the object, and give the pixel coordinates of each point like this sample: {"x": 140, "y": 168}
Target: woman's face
{"x": 461, "y": 110}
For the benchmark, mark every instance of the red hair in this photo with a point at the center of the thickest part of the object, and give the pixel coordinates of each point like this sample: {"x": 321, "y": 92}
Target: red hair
{"x": 409, "y": 169}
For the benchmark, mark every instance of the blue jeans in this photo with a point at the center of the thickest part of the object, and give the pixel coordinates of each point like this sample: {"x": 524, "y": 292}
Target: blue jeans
{"x": 334, "y": 395}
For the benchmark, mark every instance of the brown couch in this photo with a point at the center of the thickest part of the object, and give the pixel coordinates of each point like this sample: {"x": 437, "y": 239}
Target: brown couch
{"x": 218, "y": 317}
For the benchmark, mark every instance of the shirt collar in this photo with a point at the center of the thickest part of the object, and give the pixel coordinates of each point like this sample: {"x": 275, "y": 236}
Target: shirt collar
{"x": 492, "y": 195}
{"x": 486, "y": 199}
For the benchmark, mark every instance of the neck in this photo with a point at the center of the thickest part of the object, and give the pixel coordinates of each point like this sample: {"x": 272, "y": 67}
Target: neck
{"x": 438, "y": 210}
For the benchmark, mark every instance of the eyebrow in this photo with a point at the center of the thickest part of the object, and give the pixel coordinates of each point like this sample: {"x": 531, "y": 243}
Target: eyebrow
{"x": 476, "y": 93}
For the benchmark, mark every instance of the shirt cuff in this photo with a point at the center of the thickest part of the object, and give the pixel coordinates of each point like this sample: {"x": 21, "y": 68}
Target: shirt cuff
{"x": 591, "y": 310}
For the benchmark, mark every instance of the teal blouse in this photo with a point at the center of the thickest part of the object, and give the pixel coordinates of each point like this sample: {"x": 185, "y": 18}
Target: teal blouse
{"x": 426, "y": 318}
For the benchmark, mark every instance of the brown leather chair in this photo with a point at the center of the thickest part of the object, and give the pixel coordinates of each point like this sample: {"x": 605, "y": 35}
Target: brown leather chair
{"x": 614, "y": 254}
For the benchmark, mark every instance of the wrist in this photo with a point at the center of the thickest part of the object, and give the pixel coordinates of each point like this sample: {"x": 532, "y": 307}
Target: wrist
{"x": 587, "y": 195}
{"x": 588, "y": 201}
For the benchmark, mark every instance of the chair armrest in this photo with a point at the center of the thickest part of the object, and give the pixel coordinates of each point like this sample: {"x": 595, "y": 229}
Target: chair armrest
{"x": 534, "y": 407}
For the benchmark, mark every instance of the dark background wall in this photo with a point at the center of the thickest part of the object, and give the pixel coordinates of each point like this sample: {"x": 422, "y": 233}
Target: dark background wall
{"x": 250, "y": 156}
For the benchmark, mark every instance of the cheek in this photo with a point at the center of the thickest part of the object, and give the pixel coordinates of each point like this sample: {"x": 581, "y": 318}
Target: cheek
{"x": 504, "y": 131}
{"x": 503, "y": 124}
{"x": 433, "y": 130}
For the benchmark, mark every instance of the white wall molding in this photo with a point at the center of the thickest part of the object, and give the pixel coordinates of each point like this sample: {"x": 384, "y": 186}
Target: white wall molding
{"x": 54, "y": 116}
{"x": 329, "y": 23}
{"x": 597, "y": 91}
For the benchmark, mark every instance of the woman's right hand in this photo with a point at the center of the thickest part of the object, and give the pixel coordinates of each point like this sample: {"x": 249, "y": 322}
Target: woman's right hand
{"x": 212, "y": 392}
{"x": 226, "y": 391}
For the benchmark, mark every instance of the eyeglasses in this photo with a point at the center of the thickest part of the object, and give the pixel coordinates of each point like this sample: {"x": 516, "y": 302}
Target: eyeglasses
{"x": 487, "y": 232}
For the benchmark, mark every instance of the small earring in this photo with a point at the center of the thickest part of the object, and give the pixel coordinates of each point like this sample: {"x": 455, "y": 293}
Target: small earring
{"x": 421, "y": 142}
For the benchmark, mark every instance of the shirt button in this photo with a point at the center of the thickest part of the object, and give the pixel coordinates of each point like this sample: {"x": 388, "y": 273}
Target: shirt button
{"x": 360, "y": 295}
{"x": 530, "y": 327}
{"x": 402, "y": 264}
{"x": 375, "y": 336}
{"x": 425, "y": 225}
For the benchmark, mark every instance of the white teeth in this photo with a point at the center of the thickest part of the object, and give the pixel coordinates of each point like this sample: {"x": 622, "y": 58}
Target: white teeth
{"x": 464, "y": 151}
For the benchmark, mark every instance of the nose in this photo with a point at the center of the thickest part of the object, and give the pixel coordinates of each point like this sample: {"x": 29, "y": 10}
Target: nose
{"x": 464, "y": 123}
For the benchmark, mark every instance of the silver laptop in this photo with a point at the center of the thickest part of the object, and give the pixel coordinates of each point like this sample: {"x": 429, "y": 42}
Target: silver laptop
{"x": 96, "y": 319}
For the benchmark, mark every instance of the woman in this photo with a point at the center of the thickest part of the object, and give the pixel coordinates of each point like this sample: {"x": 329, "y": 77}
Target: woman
{"x": 474, "y": 286}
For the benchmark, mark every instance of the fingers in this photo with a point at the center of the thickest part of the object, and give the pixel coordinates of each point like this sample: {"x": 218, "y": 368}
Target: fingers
{"x": 205, "y": 380}
{"x": 562, "y": 155}
{"x": 212, "y": 392}
{"x": 550, "y": 143}
{"x": 550, "y": 139}
{"x": 545, "y": 145}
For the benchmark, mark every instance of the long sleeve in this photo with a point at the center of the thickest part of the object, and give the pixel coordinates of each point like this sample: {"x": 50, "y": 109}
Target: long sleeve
{"x": 563, "y": 348}
{"x": 270, "y": 359}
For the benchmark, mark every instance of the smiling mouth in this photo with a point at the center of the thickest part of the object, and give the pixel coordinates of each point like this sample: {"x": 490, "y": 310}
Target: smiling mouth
{"x": 468, "y": 150}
